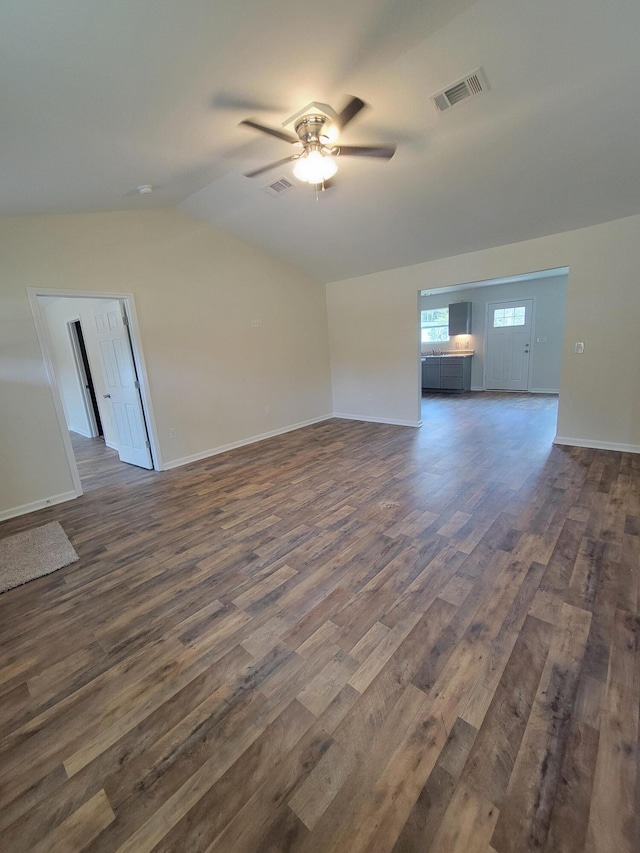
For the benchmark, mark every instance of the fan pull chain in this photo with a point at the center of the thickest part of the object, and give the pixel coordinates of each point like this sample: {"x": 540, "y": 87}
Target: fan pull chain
{"x": 322, "y": 189}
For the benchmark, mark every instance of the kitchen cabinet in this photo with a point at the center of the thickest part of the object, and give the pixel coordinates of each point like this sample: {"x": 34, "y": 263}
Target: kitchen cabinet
{"x": 431, "y": 373}
{"x": 446, "y": 373}
{"x": 459, "y": 318}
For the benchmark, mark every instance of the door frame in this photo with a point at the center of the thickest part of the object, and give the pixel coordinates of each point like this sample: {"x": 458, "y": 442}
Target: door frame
{"x": 486, "y": 339}
{"x": 42, "y": 332}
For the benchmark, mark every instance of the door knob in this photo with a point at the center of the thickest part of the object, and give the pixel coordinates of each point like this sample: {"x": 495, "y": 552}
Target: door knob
{"x": 107, "y": 396}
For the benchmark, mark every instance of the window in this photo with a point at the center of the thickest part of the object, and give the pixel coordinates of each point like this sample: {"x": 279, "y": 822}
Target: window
{"x": 509, "y": 317}
{"x": 434, "y": 325}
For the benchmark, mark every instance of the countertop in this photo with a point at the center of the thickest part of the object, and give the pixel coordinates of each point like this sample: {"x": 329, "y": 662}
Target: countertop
{"x": 456, "y": 354}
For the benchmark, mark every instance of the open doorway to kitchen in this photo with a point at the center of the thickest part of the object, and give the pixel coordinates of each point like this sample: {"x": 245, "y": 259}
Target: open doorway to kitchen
{"x": 502, "y": 336}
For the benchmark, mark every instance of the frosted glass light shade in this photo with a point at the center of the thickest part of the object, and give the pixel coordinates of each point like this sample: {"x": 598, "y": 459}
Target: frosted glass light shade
{"x": 314, "y": 168}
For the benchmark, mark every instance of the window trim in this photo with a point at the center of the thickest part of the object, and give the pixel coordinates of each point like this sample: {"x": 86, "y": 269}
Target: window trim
{"x": 433, "y": 325}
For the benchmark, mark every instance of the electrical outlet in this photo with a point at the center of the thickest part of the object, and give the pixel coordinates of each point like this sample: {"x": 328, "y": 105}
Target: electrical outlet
{"x": 579, "y": 347}
{"x": 173, "y": 432}
{"x": 256, "y": 324}
{"x": 267, "y": 410}
{"x": 457, "y": 344}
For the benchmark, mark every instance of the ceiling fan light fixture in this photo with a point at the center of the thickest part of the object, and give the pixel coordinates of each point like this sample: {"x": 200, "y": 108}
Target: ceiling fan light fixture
{"x": 317, "y": 128}
{"x": 329, "y": 134}
{"x": 315, "y": 167}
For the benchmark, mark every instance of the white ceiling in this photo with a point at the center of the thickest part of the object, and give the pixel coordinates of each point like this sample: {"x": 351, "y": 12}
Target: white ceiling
{"x": 99, "y": 96}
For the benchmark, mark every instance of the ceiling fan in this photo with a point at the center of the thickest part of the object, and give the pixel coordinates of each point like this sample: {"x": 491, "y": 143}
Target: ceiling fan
{"x": 316, "y": 130}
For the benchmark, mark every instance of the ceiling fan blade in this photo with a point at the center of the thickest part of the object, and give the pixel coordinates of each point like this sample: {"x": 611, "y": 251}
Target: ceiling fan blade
{"x": 272, "y": 131}
{"x": 386, "y": 152}
{"x": 349, "y": 112}
{"x": 256, "y": 172}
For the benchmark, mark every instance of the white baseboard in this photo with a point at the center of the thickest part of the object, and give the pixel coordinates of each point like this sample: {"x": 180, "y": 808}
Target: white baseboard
{"x": 223, "y": 448}
{"x": 373, "y": 420}
{"x": 36, "y": 505}
{"x": 80, "y": 432}
{"x": 111, "y": 445}
{"x": 596, "y": 445}
{"x": 530, "y": 391}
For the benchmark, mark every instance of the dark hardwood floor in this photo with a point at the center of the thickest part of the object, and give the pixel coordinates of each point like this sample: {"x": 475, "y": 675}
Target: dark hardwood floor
{"x": 99, "y": 466}
{"x": 353, "y": 637}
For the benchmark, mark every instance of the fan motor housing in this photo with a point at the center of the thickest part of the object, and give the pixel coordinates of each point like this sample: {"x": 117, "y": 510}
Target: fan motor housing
{"x": 310, "y": 129}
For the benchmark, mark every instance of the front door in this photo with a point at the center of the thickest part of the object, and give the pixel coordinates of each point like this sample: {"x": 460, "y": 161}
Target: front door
{"x": 508, "y": 345}
{"x": 122, "y": 386}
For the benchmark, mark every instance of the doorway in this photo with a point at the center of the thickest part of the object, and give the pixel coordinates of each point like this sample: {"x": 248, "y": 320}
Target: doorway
{"x": 542, "y": 294}
{"x": 93, "y": 357}
{"x": 85, "y": 378}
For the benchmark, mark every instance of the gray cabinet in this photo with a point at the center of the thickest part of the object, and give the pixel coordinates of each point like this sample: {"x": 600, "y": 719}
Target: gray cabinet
{"x": 459, "y": 318}
{"x": 449, "y": 373}
{"x": 431, "y": 373}
{"x": 455, "y": 374}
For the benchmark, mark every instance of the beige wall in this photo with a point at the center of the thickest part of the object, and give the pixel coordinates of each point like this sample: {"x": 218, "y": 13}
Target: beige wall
{"x": 196, "y": 291}
{"x": 374, "y": 339}
{"x": 211, "y": 375}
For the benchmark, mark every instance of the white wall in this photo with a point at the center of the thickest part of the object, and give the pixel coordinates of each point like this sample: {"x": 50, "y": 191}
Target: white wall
{"x": 549, "y": 295}
{"x": 375, "y": 369}
{"x": 196, "y": 290}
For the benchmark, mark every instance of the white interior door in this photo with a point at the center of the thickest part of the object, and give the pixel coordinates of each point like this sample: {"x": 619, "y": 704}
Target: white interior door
{"x": 508, "y": 345}
{"x": 123, "y": 390}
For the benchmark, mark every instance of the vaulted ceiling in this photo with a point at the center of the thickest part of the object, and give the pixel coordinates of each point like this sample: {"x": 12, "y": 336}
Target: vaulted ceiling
{"x": 100, "y": 97}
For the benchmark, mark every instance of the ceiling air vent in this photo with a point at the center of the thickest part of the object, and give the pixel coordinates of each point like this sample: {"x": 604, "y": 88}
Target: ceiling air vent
{"x": 278, "y": 187}
{"x": 471, "y": 86}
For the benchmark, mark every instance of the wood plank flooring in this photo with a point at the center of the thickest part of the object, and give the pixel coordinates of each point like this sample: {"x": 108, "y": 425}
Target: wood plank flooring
{"x": 99, "y": 466}
{"x": 353, "y": 637}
